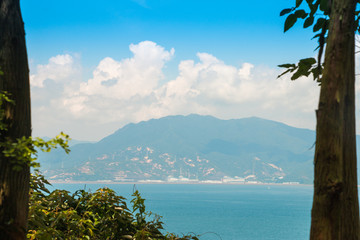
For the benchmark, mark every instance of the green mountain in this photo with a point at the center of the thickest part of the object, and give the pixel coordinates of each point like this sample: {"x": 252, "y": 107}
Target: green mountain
{"x": 191, "y": 147}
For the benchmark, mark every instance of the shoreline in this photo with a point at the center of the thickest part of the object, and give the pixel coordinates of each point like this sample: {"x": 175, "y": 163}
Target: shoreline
{"x": 177, "y": 183}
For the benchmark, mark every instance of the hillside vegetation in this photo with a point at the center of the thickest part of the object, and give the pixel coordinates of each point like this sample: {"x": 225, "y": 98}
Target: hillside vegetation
{"x": 191, "y": 147}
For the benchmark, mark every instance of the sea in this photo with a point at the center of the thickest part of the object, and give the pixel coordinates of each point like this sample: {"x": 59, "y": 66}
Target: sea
{"x": 224, "y": 212}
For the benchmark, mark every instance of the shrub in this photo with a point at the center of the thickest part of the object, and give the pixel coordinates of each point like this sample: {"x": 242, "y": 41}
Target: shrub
{"x": 85, "y": 215}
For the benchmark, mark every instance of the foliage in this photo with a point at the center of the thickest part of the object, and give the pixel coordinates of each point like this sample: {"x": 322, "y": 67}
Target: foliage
{"x": 304, "y": 67}
{"x": 4, "y": 99}
{"x": 23, "y": 151}
{"x": 316, "y": 14}
{"x": 85, "y": 215}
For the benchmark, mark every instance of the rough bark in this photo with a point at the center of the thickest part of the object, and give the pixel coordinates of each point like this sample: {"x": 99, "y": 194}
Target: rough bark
{"x": 335, "y": 212}
{"x": 14, "y": 185}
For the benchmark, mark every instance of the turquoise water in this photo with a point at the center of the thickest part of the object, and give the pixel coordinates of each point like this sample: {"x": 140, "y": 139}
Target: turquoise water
{"x": 227, "y": 212}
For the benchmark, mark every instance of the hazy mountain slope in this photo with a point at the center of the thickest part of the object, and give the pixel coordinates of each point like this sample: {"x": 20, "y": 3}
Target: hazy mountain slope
{"x": 192, "y": 146}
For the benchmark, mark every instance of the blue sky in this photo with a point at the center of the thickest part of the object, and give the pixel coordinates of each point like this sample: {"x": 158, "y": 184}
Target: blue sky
{"x": 206, "y": 57}
{"x": 232, "y": 30}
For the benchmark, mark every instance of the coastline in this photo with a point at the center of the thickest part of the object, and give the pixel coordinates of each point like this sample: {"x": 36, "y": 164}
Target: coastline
{"x": 177, "y": 183}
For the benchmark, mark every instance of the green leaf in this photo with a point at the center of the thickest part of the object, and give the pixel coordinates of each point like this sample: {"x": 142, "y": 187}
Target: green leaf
{"x": 286, "y": 65}
{"x": 324, "y": 6}
{"x": 304, "y": 68}
{"x": 296, "y": 75}
{"x": 319, "y": 24}
{"x": 317, "y": 73}
{"x": 289, "y": 22}
{"x": 313, "y": 7}
{"x": 316, "y": 36}
{"x": 307, "y": 61}
{"x": 308, "y": 22}
{"x": 298, "y": 3}
{"x": 282, "y": 74}
{"x": 300, "y": 14}
{"x": 285, "y": 11}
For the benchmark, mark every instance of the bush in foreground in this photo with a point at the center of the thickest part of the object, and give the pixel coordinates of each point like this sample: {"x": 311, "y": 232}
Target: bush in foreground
{"x": 85, "y": 215}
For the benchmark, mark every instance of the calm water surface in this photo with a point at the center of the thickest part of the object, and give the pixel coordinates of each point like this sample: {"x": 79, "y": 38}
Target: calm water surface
{"x": 227, "y": 212}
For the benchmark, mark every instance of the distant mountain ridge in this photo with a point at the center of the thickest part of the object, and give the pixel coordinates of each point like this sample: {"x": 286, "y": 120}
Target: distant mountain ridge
{"x": 193, "y": 147}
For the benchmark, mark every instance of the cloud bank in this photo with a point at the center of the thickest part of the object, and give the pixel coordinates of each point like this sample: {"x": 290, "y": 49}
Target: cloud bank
{"x": 136, "y": 89}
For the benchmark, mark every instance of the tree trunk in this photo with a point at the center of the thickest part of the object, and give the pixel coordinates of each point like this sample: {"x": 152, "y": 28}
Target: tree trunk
{"x": 335, "y": 212}
{"x": 14, "y": 185}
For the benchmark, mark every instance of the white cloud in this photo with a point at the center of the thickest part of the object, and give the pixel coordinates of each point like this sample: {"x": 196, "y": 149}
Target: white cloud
{"x": 135, "y": 89}
{"x": 245, "y": 71}
{"x": 59, "y": 68}
{"x": 136, "y": 76}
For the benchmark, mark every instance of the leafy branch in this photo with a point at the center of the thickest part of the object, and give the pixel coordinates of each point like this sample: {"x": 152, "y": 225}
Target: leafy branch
{"x": 85, "y": 215}
{"x": 308, "y": 66}
{"x": 24, "y": 151}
